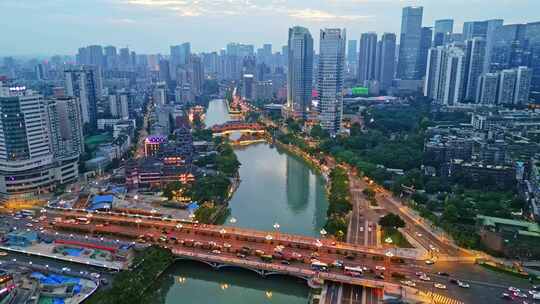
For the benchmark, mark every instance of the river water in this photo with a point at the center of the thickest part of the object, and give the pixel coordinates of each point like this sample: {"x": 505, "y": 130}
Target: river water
{"x": 275, "y": 188}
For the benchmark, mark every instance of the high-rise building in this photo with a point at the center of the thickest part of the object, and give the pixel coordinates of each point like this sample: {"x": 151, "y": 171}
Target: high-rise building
{"x": 330, "y": 78}
{"x": 386, "y": 58}
{"x": 533, "y": 38}
{"x": 119, "y": 105}
{"x": 352, "y": 52}
{"x": 367, "y": 57}
{"x": 487, "y": 89}
{"x": 65, "y": 122}
{"x": 164, "y": 71}
{"x": 445, "y": 71}
{"x": 180, "y": 54}
{"x": 111, "y": 55}
{"x": 483, "y": 29}
{"x": 197, "y": 74}
{"x": 32, "y": 161}
{"x": 474, "y": 65}
{"x": 443, "y": 29}
{"x": 425, "y": 45}
{"x": 124, "y": 58}
{"x": 410, "y": 41}
{"x": 81, "y": 83}
{"x": 300, "y": 71}
{"x": 523, "y": 85}
{"x": 248, "y": 86}
{"x": 507, "y": 86}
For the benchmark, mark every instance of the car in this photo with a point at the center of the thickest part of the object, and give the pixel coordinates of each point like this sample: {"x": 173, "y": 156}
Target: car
{"x": 104, "y": 282}
{"x": 285, "y": 262}
{"x": 439, "y": 286}
{"x": 505, "y": 295}
{"x": 380, "y": 276}
{"x": 521, "y": 295}
{"x": 532, "y": 292}
{"x": 419, "y": 273}
{"x": 418, "y": 234}
{"x": 2, "y": 253}
{"x": 381, "y": 268}
{"x": 66, "y": 269}
{"x": 463, "y": 284}
{"x": 216, "y": 251}
{"x": 408, "y": 283}
{"x": 241, "y": 255}
{"x": 338, "y": 264}
{"x": 425, "y": 278}
{"x": 444, "y": 274}
{"x": 430, "y": 262}
{"x": 513, "y": 289}
{"x": 95, "y": 275}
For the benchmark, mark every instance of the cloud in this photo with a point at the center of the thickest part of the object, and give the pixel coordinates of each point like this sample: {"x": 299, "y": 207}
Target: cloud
{"x": 319, "y": 15}
{"x": 196, "y": 8}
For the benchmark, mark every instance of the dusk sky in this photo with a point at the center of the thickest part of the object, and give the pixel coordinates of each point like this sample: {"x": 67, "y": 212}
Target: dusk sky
{"x": 47, "y": 27}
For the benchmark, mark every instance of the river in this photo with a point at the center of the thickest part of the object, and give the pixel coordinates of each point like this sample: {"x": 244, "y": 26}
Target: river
{"x": 275, "y": 188}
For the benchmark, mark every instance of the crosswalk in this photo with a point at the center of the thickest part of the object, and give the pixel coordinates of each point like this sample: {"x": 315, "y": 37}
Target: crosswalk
{"x": 440, "y": 299}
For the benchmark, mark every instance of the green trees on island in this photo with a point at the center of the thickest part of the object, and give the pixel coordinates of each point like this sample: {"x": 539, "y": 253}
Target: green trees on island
{"x": 339, "y": 203}
{"x": 132, "y": 286}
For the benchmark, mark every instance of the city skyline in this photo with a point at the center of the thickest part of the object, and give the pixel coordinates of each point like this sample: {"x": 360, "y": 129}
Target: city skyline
{"x": 152, "y": 26}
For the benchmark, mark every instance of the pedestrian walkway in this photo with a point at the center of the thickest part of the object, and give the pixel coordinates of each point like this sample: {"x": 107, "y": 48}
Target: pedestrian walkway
{"x": 439, "y": 299}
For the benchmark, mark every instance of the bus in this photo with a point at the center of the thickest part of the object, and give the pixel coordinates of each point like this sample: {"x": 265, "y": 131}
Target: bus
{"x": 319, "y": 266}
{"x": 354, "y": 271}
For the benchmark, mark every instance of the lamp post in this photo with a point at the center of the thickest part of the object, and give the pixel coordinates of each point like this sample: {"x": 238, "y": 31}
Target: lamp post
{"x": 323, "y": 233}
{"x": 232, "y": 221}
{"x": 276, "y": 228}
{"x": 269, "y": 240}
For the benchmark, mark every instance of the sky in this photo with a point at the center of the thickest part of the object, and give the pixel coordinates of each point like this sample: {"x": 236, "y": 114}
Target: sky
{"x": 48, "y": 27}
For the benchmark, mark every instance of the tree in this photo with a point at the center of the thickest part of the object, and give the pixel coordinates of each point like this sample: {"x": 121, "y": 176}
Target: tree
{"x": 391, "y": 220}
{"x": 318, "y": 132}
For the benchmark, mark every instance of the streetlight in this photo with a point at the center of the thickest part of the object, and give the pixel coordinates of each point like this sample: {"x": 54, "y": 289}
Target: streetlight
{"x": 323, "y": 233}
{"x": 276, "y": 227}
{"x": 269, "y": 239}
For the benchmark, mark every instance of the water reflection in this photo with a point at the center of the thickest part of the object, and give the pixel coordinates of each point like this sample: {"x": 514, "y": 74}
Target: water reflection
{"x": 298, "y": 185}
{"x": 192, "y": 282}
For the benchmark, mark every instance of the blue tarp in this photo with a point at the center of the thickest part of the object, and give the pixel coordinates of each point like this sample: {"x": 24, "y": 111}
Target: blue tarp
{"x": 58, "y": 301}
{"x": 103, "y": 199}
{"x": 54, "y": 279}
{"x": 193, "y": 206}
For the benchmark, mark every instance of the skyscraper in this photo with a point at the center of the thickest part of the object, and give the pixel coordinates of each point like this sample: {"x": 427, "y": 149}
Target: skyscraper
{"x": 474, "y": 66}
{"x": 483, "y": 29}
{"x": 81, "y": 83}
{"x": 352, "y": 52}
{"x": 444, "y": 79}
{"x": 111, "y": 57}
{"x": 367, "y": 57}
{"x": 32, "y": 158}
{"x": 487, "y": 89}
{"x": 386, "y": 57}
{"x": 507, "y": 86}
{"x": 410, "y": 40}
{"x": 180, "y": 55}
{"x": 300, "y": 75}
{"x": 425, "y": 45}
{"x": 330, "y": 78}
{"x": 523, "y": 85}
{"x": 443, "y": 29}
{"x": 65, "y": 124}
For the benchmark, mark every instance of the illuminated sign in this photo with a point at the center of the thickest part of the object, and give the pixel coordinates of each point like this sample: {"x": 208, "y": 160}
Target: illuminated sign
{"x": 360, "y": 91}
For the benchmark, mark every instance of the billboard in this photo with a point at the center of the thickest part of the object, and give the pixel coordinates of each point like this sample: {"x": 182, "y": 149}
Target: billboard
{"x": 360, "y": 91}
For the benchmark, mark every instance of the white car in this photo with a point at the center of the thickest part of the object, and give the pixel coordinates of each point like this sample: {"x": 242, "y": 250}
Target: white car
{"x": 95, "y": 275}
{"x": 439, "y": 286}
{"x": 66, "y": 269}
{"x": 513, "y": 289}
{"x": 381, "y": 268}
{"x": 408, "y": 283}
{"x": 425, "y": 278}
{"x": 463, "y": 284}
{"x": 430, "y": 262}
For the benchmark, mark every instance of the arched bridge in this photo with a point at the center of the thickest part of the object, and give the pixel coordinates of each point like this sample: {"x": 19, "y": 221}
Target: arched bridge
{"x": 237, "y": 126}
